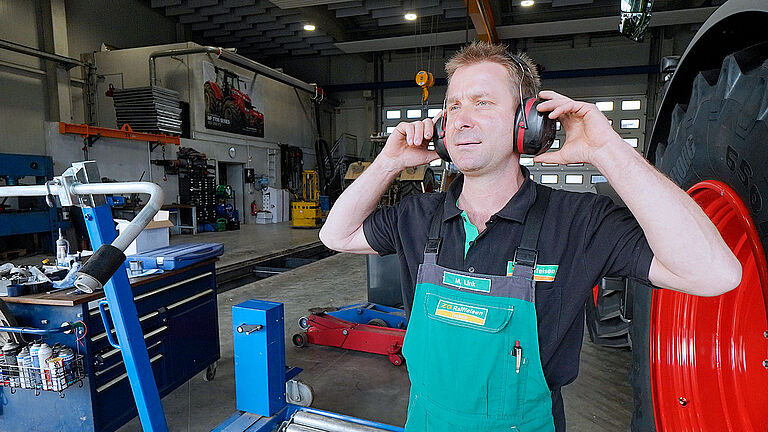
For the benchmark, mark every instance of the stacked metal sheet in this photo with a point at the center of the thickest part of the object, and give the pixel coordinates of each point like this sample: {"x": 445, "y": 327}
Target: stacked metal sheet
{"x": 148, "y": 109}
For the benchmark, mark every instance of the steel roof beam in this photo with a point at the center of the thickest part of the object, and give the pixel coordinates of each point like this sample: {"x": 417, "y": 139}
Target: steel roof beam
{"x": 482, "y": 18}
{"x": 553, "y": 28}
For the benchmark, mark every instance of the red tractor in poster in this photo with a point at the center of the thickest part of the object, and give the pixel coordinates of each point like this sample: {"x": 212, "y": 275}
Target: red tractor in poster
{"x": 225, "y": 99}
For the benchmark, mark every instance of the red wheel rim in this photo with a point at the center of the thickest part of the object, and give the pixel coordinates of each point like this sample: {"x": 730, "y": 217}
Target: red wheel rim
{"x": 707, "y": 353}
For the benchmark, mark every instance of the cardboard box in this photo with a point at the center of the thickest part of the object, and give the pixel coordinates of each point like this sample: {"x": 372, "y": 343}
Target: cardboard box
{"x": 263, "y": 217}
{"x": 154, "y": 236}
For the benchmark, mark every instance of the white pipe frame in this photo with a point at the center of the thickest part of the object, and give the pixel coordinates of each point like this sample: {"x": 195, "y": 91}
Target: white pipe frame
{"x": 131, "y": 231}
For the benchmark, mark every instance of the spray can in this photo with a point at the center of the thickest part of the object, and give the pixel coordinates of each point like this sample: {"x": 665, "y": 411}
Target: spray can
{"x": 33, "y": 349}
{"x": 62, "y": 249}
{"x": 10, "y": 349}
{"x": 56, "y": 368}
{"x": 24, "y": 362}
{"x": 43, "y": 354}
{"x": 68, "y": 356}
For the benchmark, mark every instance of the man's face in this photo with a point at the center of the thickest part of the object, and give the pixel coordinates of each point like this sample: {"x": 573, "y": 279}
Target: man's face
{"x": 480, "y": 116}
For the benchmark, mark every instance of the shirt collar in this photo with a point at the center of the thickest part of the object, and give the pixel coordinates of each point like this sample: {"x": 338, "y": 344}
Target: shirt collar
{"x": 515, "y": 209}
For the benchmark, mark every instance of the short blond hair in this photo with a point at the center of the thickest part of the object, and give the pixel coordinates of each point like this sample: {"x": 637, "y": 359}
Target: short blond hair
{"x": 480, "y": 51}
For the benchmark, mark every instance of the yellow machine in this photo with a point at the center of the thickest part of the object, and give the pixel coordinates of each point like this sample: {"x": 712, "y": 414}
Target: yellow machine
{"x": 306, "y": 212}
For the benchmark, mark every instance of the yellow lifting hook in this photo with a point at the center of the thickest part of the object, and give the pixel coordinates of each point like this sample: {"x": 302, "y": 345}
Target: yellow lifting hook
{"x": 425, "y": 80}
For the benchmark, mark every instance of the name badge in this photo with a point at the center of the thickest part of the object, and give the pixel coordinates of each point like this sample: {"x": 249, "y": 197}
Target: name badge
{"x": 467, "y": 282}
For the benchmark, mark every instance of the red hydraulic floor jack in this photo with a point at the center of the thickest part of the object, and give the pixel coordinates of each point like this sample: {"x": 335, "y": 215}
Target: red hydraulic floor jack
{"x": 336, "y": 328}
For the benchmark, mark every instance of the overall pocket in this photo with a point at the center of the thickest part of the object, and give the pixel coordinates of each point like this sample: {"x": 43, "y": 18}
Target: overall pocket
{"x": 464, "y": 353}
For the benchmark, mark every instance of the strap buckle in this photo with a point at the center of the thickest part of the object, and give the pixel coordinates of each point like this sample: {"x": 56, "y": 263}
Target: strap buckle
{"x": 526, "y": 257}
{"x": 433, "y": 246}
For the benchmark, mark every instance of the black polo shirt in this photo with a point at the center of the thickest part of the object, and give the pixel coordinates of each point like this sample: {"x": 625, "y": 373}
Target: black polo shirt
{"x": 586, "y": 235}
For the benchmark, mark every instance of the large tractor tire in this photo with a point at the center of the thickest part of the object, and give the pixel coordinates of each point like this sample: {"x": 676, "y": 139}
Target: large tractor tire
{"x": 231, "y": 112}
{"x": 698, "y": 362}
{"x": 427, "y": 185}
{"x": 212, "y": 103}
{"x": 605, "y": 323}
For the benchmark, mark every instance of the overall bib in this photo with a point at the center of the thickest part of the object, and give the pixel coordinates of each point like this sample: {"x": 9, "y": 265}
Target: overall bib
{"x": 472, "y": 345}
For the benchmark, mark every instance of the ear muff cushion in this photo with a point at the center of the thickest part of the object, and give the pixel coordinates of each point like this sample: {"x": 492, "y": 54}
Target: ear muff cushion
{"x": 541, "y": 131}
{"x": 438, "y": 138}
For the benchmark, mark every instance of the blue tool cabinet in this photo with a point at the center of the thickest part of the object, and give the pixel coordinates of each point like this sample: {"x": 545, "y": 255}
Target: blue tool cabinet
{"x": 179, "y": 320}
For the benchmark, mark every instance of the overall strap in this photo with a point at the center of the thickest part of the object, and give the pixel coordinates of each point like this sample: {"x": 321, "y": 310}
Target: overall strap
{"x": 434, "y": 240}
{"x": 527, "y": 253}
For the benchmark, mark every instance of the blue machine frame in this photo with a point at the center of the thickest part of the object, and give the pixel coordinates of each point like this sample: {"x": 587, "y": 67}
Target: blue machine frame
{"x": 259, "y": 343}
{"x": 14, "y": 167}
{"x": 101, "y": 230}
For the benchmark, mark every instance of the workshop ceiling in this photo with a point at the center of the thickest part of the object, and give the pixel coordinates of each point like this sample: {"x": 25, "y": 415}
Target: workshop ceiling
{"x": 261, "y": 29}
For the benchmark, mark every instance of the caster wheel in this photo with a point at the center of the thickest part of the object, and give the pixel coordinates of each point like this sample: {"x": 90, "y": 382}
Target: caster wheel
{"x": 396, "y": 359}
{"x": 210, "y": 372}
{"x": 299, "y": 393}
{"x": 378, "y": 322}
{"x": 304, "y": 323}
{"x": 300, "y": 339}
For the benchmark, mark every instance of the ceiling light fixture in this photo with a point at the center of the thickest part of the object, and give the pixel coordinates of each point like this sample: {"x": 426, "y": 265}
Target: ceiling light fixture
{"x": 526, "y": 3}
{"x": 309, "y": 27}
{"x": 410, "y": 16}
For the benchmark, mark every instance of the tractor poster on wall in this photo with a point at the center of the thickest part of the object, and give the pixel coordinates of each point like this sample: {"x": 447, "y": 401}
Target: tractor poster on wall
{"x": 229, "y": 102}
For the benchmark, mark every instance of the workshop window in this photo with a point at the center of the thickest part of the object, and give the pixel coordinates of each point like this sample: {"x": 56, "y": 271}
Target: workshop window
{"x": 630, "y": 124}
{"x": 604, "y": 105}
{"x": 413, "y": 113}
{"x": 555, "y": 144}
{"x": 526, "y": 161}
{"x": 548, "y": 178}
{"x": 574, "y": 179}
{"x": 598, "y": 179}
{"x": 630, "y": 105}
{"x": 545, "y": 164}
{"x": 393, "y": 114}
{"x": 631, "y": 141}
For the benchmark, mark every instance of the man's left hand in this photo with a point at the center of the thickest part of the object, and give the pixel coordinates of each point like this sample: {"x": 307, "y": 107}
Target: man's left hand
{"x": 586, "y": 129}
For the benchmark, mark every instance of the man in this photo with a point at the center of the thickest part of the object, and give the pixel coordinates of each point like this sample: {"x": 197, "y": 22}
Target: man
{"x": 480, "y": 355}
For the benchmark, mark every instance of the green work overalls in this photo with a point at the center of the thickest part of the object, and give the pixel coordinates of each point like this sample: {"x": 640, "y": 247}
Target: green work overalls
{"x": 472, "y": 345}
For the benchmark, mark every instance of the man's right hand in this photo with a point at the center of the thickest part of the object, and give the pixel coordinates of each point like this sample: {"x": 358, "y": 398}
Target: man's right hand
{"x": 407, "y": 145}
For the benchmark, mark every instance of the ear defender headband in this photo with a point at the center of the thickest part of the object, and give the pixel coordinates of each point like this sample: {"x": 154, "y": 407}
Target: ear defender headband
{"x": 534, "y": 132}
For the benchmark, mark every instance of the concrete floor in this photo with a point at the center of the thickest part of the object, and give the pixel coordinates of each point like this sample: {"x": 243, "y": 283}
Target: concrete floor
{"x": 348, "y": 382}
{"x": 251, "y": 240}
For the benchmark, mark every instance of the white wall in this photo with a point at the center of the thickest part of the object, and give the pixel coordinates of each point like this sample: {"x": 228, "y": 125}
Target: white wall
{"x": 24, "y": 100}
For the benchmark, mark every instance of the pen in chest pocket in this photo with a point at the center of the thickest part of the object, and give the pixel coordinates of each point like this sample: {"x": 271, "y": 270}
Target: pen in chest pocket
{"x": 517, "y": 351}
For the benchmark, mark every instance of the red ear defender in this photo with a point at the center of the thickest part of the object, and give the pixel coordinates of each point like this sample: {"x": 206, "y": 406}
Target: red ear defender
{"x": 534, "y": 131}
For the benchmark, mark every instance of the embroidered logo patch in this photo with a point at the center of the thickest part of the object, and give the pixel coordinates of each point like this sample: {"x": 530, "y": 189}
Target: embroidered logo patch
{"x": 461, "y": 312}
{"x": 542, "y": 272}
{"x": 467, "y": 282}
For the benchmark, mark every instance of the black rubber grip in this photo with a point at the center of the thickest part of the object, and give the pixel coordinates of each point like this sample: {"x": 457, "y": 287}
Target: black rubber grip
{"x": 104, "y": 263}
